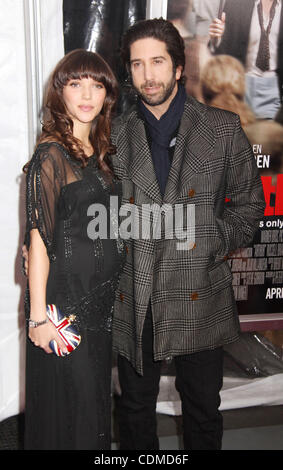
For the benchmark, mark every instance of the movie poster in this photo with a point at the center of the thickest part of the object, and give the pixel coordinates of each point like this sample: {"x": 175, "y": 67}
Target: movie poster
{"x": 234, "y": 83}
{"x": 258, "y": 269}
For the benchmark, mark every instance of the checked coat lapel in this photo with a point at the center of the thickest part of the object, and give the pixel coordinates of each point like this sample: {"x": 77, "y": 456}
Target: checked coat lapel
{"x": 197, "y": 138}
{"x": 136, "y": 158}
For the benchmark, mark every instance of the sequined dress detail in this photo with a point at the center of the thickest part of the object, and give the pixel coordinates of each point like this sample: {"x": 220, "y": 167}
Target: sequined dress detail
{"x": 68, "y": 400}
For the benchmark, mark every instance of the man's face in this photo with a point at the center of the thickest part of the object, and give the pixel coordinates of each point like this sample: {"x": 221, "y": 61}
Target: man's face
{"x": 153, "y": 74}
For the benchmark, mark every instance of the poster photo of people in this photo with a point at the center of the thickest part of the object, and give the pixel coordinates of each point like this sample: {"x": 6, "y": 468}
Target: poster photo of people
{"x": 234, "y": 61}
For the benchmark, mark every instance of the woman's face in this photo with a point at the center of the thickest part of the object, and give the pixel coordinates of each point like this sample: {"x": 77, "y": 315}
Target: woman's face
{"x": 84, "y": 99}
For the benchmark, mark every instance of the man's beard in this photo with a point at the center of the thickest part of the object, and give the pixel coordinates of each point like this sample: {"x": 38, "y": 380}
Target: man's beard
{"x": 161, "y": 97}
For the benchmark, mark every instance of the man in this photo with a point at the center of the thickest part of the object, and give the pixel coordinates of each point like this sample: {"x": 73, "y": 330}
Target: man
{"x": 177, "y": 302}
{"x": 252, "y": 31}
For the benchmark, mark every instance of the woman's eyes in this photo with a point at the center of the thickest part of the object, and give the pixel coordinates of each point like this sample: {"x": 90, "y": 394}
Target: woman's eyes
{"x": 78, "y": 84}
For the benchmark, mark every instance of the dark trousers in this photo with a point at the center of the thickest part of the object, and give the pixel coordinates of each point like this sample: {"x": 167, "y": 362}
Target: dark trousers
{"x": 199, "y": 378}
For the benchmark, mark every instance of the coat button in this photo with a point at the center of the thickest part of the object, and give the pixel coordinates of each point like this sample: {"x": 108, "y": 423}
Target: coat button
{"x": 168, "y": 358}
{"x": 131, "y": 200}
{"x": 122, "y": 297}
{"x": 191, "y": 193}
{"x": 127, "y": 249}
{"x": 194, "y": 296}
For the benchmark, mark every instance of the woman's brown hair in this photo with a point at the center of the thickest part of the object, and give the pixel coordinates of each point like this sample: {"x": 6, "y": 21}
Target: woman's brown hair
{"x": 58, "y": 126}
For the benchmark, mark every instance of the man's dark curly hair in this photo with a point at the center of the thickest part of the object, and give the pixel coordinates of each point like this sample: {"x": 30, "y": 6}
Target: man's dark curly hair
{"x": 159, "y": 29}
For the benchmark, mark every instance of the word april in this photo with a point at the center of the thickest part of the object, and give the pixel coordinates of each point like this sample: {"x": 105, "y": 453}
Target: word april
{"x": 274, "y": 293}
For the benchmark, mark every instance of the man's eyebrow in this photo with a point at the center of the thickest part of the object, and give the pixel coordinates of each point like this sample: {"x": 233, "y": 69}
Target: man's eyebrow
{"x": 152, "y": 58}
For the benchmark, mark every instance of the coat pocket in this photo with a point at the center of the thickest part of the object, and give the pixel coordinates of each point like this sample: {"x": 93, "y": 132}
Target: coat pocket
{"x": 220, "y": 276}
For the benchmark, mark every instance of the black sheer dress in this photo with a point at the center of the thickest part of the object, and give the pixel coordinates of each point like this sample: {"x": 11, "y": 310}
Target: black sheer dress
{"x": 68, "y": 399}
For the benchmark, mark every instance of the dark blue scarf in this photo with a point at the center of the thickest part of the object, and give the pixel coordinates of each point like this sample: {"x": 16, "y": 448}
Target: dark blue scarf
{"x": 161, "y": 133}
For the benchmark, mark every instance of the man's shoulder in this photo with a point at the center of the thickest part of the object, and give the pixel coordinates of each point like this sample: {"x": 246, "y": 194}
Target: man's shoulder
{"x": 123, "y": 121}
{"x": 194, "y": 111}
{"x": 210, "y": 115}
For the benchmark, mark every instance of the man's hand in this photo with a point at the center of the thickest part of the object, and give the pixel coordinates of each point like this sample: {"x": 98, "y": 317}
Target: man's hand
{"x": 25, "y": 260}
{"x": 217, "y": 27}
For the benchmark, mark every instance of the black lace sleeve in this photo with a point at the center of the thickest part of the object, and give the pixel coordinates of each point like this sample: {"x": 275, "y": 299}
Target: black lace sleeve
{"x": 46, "y": 175}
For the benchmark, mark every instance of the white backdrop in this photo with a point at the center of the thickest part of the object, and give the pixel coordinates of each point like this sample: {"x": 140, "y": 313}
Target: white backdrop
{"x": 31, "y": 43}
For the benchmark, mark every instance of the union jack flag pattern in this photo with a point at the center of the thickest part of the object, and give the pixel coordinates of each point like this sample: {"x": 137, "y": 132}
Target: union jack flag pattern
{"x": 65, "y": 329}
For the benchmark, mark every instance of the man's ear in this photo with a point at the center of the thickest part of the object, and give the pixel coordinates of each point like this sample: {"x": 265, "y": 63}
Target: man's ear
{"x": 179, "y": 71}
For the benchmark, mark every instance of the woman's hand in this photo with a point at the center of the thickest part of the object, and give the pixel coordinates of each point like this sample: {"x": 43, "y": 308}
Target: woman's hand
{"x": 43, "y": 334}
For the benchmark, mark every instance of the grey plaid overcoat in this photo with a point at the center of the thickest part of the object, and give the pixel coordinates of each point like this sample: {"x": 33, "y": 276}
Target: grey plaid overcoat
{"x": 190, "y": 290}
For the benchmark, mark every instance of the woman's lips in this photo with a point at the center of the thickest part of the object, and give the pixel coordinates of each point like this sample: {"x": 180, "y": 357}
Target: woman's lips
{"x": 86, "y": 108}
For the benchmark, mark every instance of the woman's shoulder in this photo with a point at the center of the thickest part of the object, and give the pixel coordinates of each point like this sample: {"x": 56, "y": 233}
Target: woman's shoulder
{"x": 49, "y": 157}
{"x": 50, "y": 152}
{"x": 51, "y": 148}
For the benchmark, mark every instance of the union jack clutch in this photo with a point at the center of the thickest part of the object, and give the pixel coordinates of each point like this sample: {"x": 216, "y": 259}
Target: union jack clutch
{"x": 65, "y": 329}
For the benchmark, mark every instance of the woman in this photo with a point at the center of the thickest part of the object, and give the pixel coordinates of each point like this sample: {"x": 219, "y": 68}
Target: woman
{"x": 68, "y": 404}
